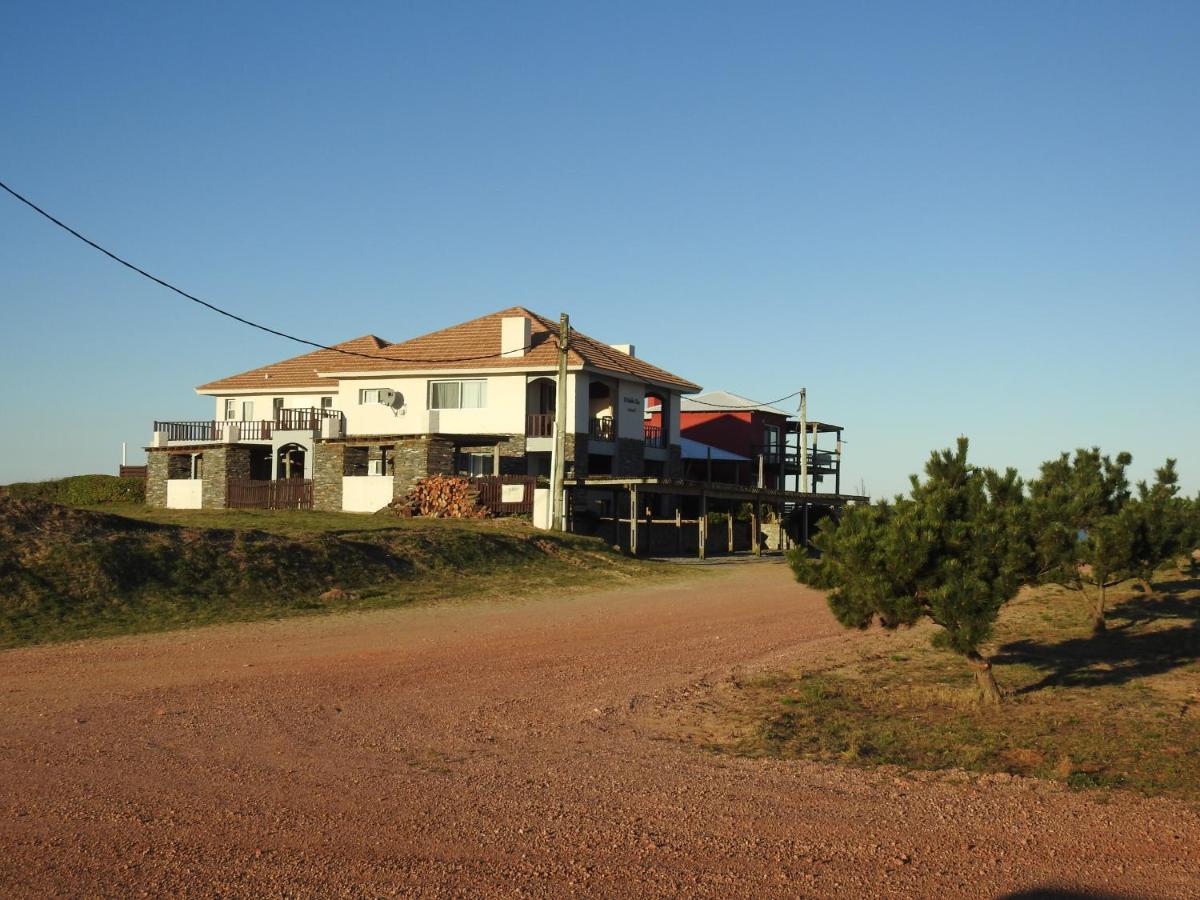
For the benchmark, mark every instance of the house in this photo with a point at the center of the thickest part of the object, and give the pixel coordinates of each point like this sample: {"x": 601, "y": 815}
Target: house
{"x": 731, "y": 439}
{"x": 352, "y": 427}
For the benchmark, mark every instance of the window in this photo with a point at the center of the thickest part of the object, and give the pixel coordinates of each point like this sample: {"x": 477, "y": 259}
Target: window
{"x": 378, "y": 395}
{"x": 230, "y": 409}
{"x": 476, "y": 464}
{"x": 247, "y": 410}
{"x": 276, "y": 406}
{"x": 772, "y": 436}
{"x": 458, "y": 394}
{"x": 326, "y": 403}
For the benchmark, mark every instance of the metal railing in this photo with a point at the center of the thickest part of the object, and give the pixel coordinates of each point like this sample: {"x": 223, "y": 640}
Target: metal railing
{"x": 654, "y": 436}
{"x": 601, "y": 428}
{"x": 539, "y": 425}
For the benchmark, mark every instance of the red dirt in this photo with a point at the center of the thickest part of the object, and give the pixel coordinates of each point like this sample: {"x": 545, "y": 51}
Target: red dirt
{"x": 499, "y": 750}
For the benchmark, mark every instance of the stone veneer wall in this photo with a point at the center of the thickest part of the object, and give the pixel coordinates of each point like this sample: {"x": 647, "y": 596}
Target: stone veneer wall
{"x": 674, "y": 461}
{"x": 630, "y": 457}
{"x": 156, "y": 478}
{"x": 577, "y": 444}
{"x": 418, "y": 457}
{"x": 222, "y": 462}
{"x": 328, "y": 467}
{"x": 512, "y": 454}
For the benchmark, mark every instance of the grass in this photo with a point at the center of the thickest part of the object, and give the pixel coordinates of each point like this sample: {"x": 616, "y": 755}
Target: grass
{"x": 1117, "y": 711}
{"x": 297, "y": 522}
{"x": 77, "y": 573}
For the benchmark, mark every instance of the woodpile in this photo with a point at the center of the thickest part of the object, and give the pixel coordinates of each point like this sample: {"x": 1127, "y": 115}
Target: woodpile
{"x": 442, "y": 497}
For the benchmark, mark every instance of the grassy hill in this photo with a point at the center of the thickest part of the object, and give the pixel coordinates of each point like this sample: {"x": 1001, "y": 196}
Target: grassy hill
{"x": 67, "y": 572}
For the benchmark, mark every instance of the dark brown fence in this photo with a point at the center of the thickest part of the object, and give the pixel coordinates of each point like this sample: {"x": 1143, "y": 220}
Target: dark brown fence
{"x": 288, "y": 493}
{"x": 132, "y": 472}
{"x": 305, "y": 419}
{"x": 492, "y": 494}
{"x": 539, "y": 425}
{"x": 654, "y": 436}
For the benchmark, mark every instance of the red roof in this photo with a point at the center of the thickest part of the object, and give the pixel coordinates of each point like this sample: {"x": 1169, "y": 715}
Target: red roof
{"x": 470, "y": 345}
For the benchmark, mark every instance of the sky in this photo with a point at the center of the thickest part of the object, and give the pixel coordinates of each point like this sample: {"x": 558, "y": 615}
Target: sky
{"x": 939, "y": 218}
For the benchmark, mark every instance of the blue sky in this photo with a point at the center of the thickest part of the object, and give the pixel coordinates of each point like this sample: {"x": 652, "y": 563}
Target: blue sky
{"x": 942, "y": 219}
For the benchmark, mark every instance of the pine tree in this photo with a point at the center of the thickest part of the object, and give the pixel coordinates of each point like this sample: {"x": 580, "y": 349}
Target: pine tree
{"x": 954, "y": 551}
{"x": 1161, "y": 524}
{"x": 1084, "y": 530}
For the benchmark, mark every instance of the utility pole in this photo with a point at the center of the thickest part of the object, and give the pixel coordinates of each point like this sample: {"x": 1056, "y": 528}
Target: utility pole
{"x": 558, "y": 466}
{"x": 804, "y": 440}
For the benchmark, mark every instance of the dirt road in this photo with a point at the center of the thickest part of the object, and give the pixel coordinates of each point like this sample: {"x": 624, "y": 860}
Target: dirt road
{"x": 498, "y": 750}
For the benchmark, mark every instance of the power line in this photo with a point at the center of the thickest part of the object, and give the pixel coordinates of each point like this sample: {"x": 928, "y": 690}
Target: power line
{"x": 224, "y": 312}
{"x": 752, "y": 406}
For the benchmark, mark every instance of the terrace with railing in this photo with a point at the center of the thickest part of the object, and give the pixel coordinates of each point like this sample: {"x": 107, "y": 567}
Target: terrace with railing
{"x": 232, "y": 430}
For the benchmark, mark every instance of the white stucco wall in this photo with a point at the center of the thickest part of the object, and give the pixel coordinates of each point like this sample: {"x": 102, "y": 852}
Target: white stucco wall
{"x": 366, "y": 493}
{"x": 263, "y": 403}
{"x": 631, "y": 410}
{"x": 184, "y": 493}
{"x": 504, "y": 412}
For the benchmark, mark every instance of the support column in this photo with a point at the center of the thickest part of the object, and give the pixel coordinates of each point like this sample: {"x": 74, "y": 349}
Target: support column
{"x": 633, "y": 521}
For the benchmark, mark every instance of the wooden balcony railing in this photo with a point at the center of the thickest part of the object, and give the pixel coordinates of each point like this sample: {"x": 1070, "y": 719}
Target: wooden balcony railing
{"x": 654, "y": 436}
{"x": 304, "y": 419}
{"x": 601, "y": 428}
{"x": 539, "y": 425}
{"x": 308, "y": 419}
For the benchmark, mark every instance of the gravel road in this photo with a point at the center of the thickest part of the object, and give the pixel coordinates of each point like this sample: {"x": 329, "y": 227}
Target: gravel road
{"x": 500, "y": 750}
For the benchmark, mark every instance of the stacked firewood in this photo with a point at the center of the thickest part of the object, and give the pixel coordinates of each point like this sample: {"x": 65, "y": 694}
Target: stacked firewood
{"x": 442, "y": 497}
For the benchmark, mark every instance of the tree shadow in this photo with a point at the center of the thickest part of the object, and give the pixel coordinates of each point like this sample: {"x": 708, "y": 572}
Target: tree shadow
{"x": 1127, "y": 650}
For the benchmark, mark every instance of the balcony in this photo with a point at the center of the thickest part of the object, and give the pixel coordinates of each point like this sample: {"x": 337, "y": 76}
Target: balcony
{"x": 234, "y": 430}
{"x": 601, "y": 429}
{"x": 539, "y": 425}
{"x": 653, "y": 436}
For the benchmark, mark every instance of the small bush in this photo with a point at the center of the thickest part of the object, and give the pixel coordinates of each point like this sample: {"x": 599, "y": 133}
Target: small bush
{"x": 81, "y": 490}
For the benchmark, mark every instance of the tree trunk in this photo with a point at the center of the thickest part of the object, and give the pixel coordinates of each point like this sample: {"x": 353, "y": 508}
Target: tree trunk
{"x": 1099, "y": 626}
{"x": 1147, "y": 587}
{"x": 989, "y": 691}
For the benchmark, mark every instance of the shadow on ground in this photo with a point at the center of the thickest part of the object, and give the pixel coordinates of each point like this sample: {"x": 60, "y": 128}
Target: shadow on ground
{"x": 1146, "y": 636}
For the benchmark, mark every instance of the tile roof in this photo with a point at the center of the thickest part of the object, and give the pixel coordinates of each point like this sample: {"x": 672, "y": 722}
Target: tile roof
{"x": 299, "y": 371}
{"x": 470, "y": 345}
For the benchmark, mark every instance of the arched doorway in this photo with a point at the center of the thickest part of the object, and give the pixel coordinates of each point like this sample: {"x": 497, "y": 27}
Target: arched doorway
{"x": 290, "y": 462}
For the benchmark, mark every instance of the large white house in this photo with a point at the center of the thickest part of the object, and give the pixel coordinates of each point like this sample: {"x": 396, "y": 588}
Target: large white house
{"x": 359, "y": 424}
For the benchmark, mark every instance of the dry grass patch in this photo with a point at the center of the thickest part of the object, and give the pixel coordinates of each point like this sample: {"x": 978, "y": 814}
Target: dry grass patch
{"x": 1120, "y": 710}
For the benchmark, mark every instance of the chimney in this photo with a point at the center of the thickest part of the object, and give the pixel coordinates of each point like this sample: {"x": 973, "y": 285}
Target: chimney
{"x": 514, "y": 336}
{"x": 627, "y": 349}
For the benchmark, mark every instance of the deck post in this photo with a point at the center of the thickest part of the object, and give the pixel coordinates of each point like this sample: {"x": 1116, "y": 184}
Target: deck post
{"x": 702, "y": 524}
{"x": 633, "y": 521}
{"x": 837, "y": 475}
{"x": 729, "y": 521}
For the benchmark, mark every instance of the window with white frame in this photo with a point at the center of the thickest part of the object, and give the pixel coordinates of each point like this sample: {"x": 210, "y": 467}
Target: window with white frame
{"x": 377, "y": 395}
{"x": 230, "y": 409}
{"x": 247, "y": 410}
{"x": 470, "y": 394}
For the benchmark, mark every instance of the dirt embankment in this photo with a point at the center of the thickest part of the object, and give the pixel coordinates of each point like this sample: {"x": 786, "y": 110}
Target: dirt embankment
{"x": 68, "y": 572}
